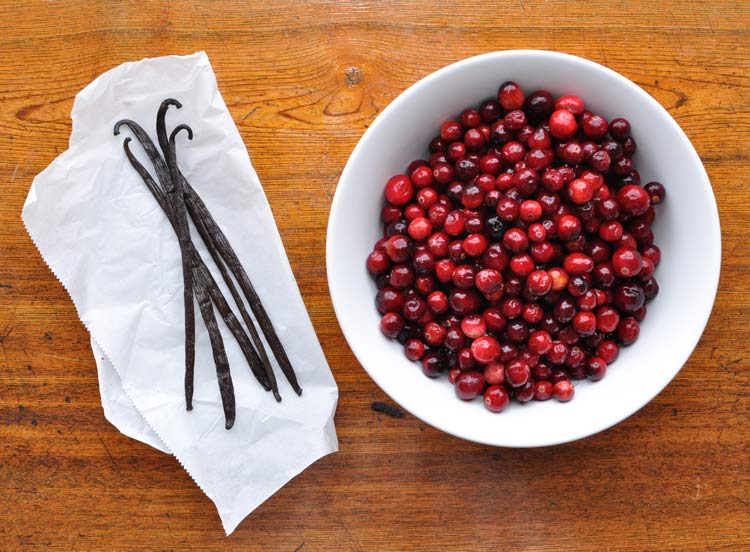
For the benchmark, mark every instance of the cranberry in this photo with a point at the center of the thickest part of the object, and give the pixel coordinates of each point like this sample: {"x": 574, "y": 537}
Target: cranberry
{"x": 378, "y": 262}
{"x": 432, "y": 365}
{"x": 443, "y": 173}
{"x": 572, "y": 103}
{"x": 563, "y": 391}
{"x": 510, "y": 96}
{"x": 540, "y": 342}
{"x": 580, "y": 191}
{"x": 485, "y": 349}
{"x": 463, "y": 277}
{"x": 656, "y": 192}
{"x": 532, "y": 313}
{"x": 608, "y": 351}
{"x": 437, "y": 145}
{"x": 650, "y": 288}
{"x": 584, "y": 323}
{"x": 577, "y": 264}
{"x": 562, "y": 124}
{"x": 475, "y": 244}
{"x": 508, "y": 210}
{"x": 633, "y": 200}
{"x": 559, "y": 277}
{"x": 401, "y": 277}
{"x": 494, "y": 373}
{"x": 539, "y": 282}
{"x": 473, "y": 326}
{"x": 628, "y": 330}
{"x": 391, "y": 324}
{"x": 451, "y": 131}
{"x": 627, "y": 262}
{"x": 414, "y": 349}
{"x": 514, "y": 120}
{"x": 600, "y": 161}
{"x": 557, "y": 353}
{"x": 653, "y": 253}
{"x": 455, "y": 223}
{"x": 399, "y": 190}
{"x": 629, "y": 297}
{"x": 619, "y": 129}
{"x": 539, "y": 105}
{"x": 454, "y": 339}
{"x": 607, "y": 319}
{"x": 488, "y": 281}
{"x": 596, "y": 368}
{"x": 496, "y": 398}
{"x": 542, "y": 390}
{"x": 444, "y": 270}
{"x": 437, "y": 302}
{"x": 594, "y": 127}
{"x": 517, "y": 373}
{"x": 464, "y": 301}
{"x": 530, "y": 210}
{"x": 516, "y": 240}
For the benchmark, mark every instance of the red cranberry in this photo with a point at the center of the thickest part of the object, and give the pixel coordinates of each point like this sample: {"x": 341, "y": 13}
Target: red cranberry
{"x": 607, "y": 319}
{"x": 580, "y": 191}
{"x": 391, "y": 324}
{"x": 584, "y": 323}
{"x": 557, "y": 353}
{"x": 633, "y": 200}
{"x": 559, "y": 277}
{"x": 444, "y": 270}
{"x": 414, "y": 349}
{"x": 378, "y": 262}
{"x": 475, "y": 244}
{"x": 596, "y": 368}
{"x": 525, "y": 393}
{"x": 517, "y": 373}
{"x": 577, "y": 264}
{"x": 443, "y": 173}
{"x": 494, "y": 373}
{"x": 485, "y": 349}
{"x": 454, "y": 339}
{"x": 650, "y": 289}
{"x": 495, "y": 257}
{"x": 572, "y": 103}
{"x": 390, "y": 213}
{"x": 496, "y": 398}
{"x": 463, "y": 277}
{"x": 514, "y": 120}
{"x": 619, "y": 129}
{"x": 652, "y": 252}
{"x": 562, "y": 124}
{"x": 451, "y": 131}
{"x": 473, "y": 326}
{"x": 389, "y": 300}
{"x": 419, "y": 229}
{"x": 399, "y": 190}
{"x": 455, "y": 223}
{"x": 542, "y": 390}
{"x": 507, "y": 209}
{"x": 552, "y": 180}
{"x": 434, "y": 334}
{"x": 563, "y": 391}
{"x": 437, "y": 302}
{"x": 568, "y": 227}
{"x": 516, "y": 240}
{"x": 540, "y": 342}
{"x": 437, "y": 215}
{"x": 464, "y": 301}
{"x": 488, "y": 281}
{"x": 414, "y": 308}
{"x": 594, "y": 127}
{"x": 510, "y": 96}
{"x": 628, "y": 330}
{"x": 401, "y": 277}
{"x": 530, "y": 210}
{"x": 608, "y": 351}
{"x": 627, "y": 262}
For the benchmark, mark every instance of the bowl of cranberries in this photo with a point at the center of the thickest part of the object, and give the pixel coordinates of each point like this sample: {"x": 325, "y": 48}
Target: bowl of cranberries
{"x": 523, "y": 249}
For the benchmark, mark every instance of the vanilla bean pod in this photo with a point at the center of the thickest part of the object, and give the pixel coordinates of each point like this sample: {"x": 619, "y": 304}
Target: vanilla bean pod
{"x": 198, "y": 210}
{"x": 183, "y": 237}
{"x": 229, "y": 318}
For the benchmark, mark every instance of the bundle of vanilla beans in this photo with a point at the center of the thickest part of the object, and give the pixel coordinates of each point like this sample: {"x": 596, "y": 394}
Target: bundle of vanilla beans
{"x": 179, "y": 200}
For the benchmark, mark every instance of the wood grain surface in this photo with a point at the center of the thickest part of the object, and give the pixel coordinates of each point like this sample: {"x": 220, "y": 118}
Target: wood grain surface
{"x": 303, "y": 80}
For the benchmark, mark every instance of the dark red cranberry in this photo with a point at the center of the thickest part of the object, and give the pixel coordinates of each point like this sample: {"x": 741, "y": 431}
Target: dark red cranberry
{"x": 564, "y": 310}
{"x": 629, "y": 297}
{"x": 596, "y": 368}
{"x": 432, "y": 365}
{"x": 396, "y": 227}
{"x": 656, "y": 192}
{"x": 539, "y": 105}
{"x": 378, "y": 262}
{"x": 463, "y": 277}
{"x": 594, "y": 127}
{"x": 401, "y": 277}
{"x": 608, "y": 351}
{"x": 389, "y": 300}
{"x": 515, "y": 120}
{"x": 517, "y": 331}
{"x": 568, "y": 335}
{"x": 414, "y": 308}
{"x": 391, "y": 324}
{"x": 496, "y": 398}
{"x": 495, "y": 320}
{"x": 652, "y": 252}
{"x": 650, "y": 289}
{"x": 464, "y": 301}
{"x": 559, "y": 374}
{"x": 629, "y": 146}
{"x": 622, "y": 166}
{"x": 443, "y": 173}
{"x": 490, "y": 111}
{"x": 541, "y": 371}
{"x": 628, "y": 330}
{"x": 599, "y": 161}
{"x": 619, "y": 128}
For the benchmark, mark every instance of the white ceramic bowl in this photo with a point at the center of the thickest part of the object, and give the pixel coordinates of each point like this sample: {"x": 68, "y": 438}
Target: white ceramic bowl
{"x": 687, "y": 231}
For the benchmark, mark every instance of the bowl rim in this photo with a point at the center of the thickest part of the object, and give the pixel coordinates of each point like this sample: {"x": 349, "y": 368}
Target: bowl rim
{"x": 714, "y": 261}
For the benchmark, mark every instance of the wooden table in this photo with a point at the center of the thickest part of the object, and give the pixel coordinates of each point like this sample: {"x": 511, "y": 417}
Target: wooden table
{"x": 308, "y": 78}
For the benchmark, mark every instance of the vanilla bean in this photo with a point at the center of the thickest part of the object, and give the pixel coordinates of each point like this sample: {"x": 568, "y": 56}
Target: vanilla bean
{"x": 213, "y": 289}
{"x": 198, "y": 210}
{"x": 223, "y": 375}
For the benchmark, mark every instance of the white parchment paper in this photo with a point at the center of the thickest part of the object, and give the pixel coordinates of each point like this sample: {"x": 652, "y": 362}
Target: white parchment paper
{"x": 106, "y": 239}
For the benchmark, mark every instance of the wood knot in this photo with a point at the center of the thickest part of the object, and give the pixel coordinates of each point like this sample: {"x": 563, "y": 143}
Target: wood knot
{"x": 353, "y": 76}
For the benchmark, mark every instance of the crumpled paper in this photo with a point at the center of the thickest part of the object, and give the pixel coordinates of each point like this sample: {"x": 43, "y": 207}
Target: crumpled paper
{"x": 104, "y": 236}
